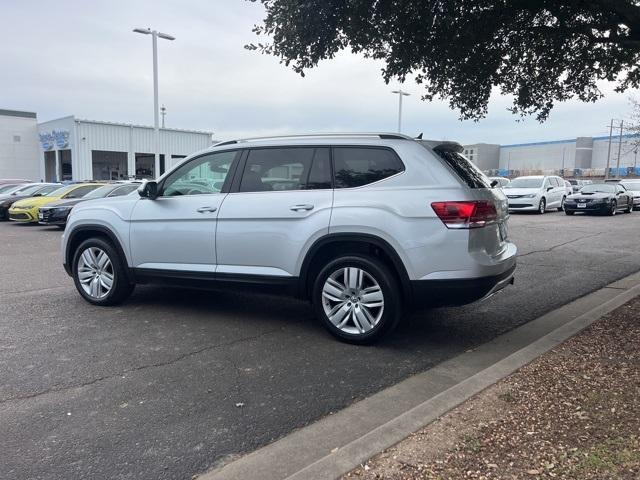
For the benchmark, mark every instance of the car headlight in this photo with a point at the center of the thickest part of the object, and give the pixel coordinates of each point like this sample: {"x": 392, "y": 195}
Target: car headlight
{"x": 531, "y": 195}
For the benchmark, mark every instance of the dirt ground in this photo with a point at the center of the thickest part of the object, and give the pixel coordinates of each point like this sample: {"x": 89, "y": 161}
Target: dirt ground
{"x": 574, "y": 413}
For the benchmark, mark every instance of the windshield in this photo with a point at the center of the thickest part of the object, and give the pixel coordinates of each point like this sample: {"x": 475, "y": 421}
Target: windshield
{"x": 8, "y": 188}
{"x": 525, "y": 182}
{"x": 631, "y": 184}
{"x": 60, "y": 191}
{"x": 102, "y": 191}
{"x": 29, "y": 190}
{"x": 599, "y": 188}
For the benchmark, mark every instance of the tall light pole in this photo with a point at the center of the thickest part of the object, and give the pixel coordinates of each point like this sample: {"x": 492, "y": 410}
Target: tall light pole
{"x": 400, "y": 94}
{"x": 156, "y": 117}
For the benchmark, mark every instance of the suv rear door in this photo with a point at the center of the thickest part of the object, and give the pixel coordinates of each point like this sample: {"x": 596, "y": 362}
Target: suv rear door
{"x": 279, "y": 203}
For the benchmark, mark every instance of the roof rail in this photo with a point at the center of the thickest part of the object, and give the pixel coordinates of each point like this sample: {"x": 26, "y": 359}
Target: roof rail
{"x": 383, "y": 135}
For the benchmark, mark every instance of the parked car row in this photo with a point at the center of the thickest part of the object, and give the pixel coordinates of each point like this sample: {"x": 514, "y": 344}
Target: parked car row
{"x": 50, "y": 203}
{"x": 540, "y": 193}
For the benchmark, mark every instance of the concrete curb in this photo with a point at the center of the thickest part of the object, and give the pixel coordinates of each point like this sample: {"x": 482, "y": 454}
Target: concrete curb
{"x": 338, "y": 443}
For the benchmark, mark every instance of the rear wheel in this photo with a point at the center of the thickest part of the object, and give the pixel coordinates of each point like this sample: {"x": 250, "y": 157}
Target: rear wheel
{"x": 629, "y": 208}
{"x": 542, "y": 207}
{"x": 99, "y": 273}
{"x": 357, "y": 299}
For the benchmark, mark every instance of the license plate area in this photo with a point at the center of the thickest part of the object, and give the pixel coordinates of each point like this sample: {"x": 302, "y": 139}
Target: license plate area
{"x": 582, "y": 205}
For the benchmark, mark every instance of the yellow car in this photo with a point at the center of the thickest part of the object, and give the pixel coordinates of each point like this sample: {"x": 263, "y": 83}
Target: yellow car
{"x": 26, "y": 211}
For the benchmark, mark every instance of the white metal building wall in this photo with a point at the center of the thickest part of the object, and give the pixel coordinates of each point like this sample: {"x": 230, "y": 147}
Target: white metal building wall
{"x": 19, "y": 151}
{"x": 541, "y": 156}
{"x": 601, "y": 149}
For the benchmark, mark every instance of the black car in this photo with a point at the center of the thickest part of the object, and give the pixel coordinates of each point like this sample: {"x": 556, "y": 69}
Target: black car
{"x": 56, "y": 213}
{"x": 605, "y": 198}
{"x": 27, "y": 191}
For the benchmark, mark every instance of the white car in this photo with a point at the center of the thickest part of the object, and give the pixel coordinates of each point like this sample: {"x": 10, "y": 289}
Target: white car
{"x": 633, "y": 186}
{"x": 536, "y": 193}
{"x": 500, "y": 182}
{"x": 359, "y": 224}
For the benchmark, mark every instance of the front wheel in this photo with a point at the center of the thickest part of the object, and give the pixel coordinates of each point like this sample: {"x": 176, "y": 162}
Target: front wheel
{"x": 613, "y": 208}
{"x": 99, "y": 273}
{"x": 357, "y": 299}
{"x": 542, "y": 207}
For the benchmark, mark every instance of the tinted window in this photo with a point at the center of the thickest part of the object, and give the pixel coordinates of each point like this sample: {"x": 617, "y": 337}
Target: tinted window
{"x": 631, "y": 185}
{"x": 357, "y": 166}
{"x": 41, "y": 190}
{"x": 471, "y": 175}
{"x": 278, "y": 169}
{"x": 81, "y": 191}
{"x": 554, "y": 182}
{"x": 203, "y": 175}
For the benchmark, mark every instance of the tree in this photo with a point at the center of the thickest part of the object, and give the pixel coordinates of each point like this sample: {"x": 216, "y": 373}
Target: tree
{"x": 541, "y": 52}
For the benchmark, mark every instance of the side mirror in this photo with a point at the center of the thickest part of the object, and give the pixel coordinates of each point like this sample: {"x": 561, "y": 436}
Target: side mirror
{"x": 494, "y": 183}
{"x": 549, "y": 189}
{"x": 148, "y": 190}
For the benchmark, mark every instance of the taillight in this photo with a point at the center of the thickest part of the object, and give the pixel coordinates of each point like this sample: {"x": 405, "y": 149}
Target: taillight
{"x": 471, "y": 214}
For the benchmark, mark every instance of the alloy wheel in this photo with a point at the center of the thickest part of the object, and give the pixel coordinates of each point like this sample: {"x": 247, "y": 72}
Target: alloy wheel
{"x": 352, "y": 300}
{"x": 95, "y": 272}
{"x": 542, "y": 208}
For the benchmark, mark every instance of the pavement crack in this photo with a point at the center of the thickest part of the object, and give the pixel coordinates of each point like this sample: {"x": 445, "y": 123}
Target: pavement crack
{"x": 61, "y": 388}
{"x": 546, "y": 250}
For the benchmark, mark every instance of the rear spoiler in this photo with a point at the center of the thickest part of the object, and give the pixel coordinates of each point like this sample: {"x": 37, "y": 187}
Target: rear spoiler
{"x": 443, "y": 146}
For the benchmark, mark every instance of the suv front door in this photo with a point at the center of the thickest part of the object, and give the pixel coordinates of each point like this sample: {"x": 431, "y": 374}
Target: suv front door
{"x": 279, "y": 204}
{"x": 176, "y": 231}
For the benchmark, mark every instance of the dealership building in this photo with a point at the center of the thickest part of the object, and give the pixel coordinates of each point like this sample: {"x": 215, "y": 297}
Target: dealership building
{"x": 73, "y": 149}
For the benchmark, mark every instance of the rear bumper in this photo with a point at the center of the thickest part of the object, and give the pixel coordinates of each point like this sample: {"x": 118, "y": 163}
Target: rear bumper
{"x": 460, "y": 291}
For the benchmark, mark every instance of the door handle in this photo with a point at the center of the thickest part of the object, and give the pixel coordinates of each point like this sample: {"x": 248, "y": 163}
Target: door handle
{"x": 298, "y": 208}
{"x": 206, "y": 209}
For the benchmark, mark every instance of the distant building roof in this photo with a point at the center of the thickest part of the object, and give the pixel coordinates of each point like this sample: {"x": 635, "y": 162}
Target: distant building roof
{"x": 17, "y": 113}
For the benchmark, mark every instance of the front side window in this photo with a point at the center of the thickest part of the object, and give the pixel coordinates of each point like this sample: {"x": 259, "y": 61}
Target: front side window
{"x": 280, "y": 169}
{"x": 358, "y": 166}
{"x": 204, "y": 175}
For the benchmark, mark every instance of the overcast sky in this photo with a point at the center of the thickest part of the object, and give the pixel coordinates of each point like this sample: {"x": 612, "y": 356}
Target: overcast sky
{"x": 81, "y": 58}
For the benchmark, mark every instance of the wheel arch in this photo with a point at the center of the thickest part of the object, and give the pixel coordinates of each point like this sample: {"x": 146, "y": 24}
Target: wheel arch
{"x": 83, "y": 232}
{"x": 345, "y": 243}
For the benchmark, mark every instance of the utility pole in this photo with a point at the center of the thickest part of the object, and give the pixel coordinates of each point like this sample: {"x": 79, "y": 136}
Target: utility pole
{"x": 619, "y": 149}
{"x": 400, "y": 94}
{"x": 156, "y": 120}
{"x": 606, "y": 172}
{"x": 163, "y": 112}
{"x": 562, "y": 173}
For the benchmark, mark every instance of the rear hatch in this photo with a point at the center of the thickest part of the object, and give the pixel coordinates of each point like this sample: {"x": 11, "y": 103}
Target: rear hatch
{"x": 491, "y": 236}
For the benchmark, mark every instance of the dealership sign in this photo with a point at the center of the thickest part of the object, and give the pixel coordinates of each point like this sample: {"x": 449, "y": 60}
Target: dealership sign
{"x": 59, "y": 138}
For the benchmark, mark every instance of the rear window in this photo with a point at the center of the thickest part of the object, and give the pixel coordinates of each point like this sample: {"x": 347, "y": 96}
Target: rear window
{"x": 471, "y": 175}
{"x": 358, "y": 166}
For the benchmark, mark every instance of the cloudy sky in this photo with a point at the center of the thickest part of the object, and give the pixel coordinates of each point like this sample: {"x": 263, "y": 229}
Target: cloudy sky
{"x": 81, "y": 58}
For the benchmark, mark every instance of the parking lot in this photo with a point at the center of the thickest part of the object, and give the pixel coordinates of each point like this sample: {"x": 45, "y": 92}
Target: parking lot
{"x": 174, "y": 381}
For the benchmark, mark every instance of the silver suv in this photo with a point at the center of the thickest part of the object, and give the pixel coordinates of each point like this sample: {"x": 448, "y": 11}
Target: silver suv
{"x": 362, "y": 225}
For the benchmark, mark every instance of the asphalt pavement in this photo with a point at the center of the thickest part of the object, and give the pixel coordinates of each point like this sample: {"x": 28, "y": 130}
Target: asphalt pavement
{"x": 174, "y": 381}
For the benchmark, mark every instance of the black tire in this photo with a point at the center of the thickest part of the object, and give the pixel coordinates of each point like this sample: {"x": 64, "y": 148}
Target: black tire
{"x": 121, "y": 288}
{"x": 542, "y": 206}
{"x": 561, "y": 207}
{"x": 392, "y": 298}
{"x": 569, "y": 212}
{"x": 613, "y": 208}
{"x": 628, "y": 209}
